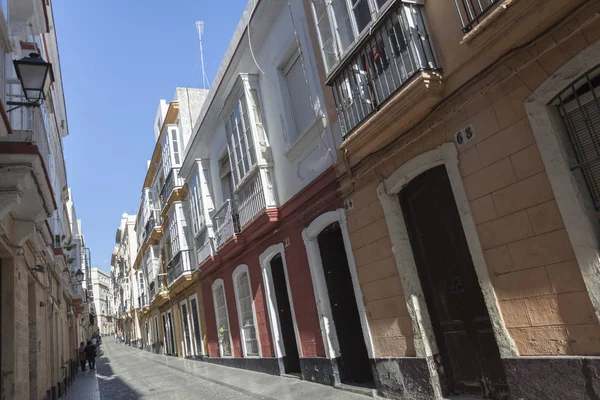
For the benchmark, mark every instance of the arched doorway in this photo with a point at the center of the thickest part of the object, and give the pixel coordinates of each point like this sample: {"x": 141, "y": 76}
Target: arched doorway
{"x": 457, "y": 309}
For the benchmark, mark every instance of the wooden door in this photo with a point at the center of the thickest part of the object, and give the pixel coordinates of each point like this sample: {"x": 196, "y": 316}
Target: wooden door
{"x": 291, "y": 360}
{"x": 354, "y": 365}
{"x": 459, "y": 316}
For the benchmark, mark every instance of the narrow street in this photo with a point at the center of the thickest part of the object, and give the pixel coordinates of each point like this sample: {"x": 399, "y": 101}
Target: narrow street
{"x": 124, "y": 372}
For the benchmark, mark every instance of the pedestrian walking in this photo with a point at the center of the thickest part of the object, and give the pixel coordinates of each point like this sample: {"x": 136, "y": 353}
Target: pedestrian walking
{"x": 82, "y": 356}
{"x": 90, "y": 353}
{"x": 94, "y": 340}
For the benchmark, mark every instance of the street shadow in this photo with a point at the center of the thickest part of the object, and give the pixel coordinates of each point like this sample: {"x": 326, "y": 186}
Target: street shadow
{"x": 111, "y": 386}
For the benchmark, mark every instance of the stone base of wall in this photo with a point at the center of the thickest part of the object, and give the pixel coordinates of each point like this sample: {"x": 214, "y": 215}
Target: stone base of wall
{"x": 266, "y": 365}
{"x": 553, "y": 377}
{"x": 320, "y": 370}
{"x": 402, "y": 378}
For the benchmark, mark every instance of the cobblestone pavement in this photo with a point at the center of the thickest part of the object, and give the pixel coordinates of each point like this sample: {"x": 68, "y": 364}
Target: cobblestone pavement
{"x": 124, "y": 372}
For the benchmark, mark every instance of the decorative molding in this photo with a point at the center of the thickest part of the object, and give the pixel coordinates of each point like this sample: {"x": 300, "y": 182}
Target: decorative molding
{"x": 425, "y": 343}
{"x": 572, "y": 195}
{"x": 328, "y": 331}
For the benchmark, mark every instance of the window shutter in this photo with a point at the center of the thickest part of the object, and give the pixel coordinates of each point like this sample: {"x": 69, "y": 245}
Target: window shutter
{"x": 300, "y": 98}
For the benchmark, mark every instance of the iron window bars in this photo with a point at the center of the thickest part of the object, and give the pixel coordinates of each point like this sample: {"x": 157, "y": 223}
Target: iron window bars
{"x": 471, "y": 12}
{"x": 579, "y": 106}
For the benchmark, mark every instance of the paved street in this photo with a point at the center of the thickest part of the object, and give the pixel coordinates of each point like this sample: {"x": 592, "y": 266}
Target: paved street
{"x": 127, "y": 373}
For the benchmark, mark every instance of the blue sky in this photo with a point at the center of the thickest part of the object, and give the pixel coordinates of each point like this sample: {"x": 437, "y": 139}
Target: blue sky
{"x": 118, "y": 59}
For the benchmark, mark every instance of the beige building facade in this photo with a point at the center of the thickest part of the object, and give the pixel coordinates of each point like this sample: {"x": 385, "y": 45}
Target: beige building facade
{"x": 44, "y": 310}
{"x": 468, "y": 174}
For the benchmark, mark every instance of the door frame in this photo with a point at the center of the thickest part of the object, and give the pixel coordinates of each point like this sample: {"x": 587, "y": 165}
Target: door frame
{"x": 265, "y": 263}
{"x": 387, "y": 191}
{"x": 240, "y": 269}
{"x": 310, "y": 234}
{"x": 187, "y": 351}
{"x": 199, "y": 347}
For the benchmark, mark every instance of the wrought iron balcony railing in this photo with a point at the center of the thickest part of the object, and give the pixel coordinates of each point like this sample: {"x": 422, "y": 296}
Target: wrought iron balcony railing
{"x": 471, "y": 12}
{"x": 251, "y": 198}
{"x": 225, "y": 222}
{"x": 173, "y": 181}
{"x": 178, "y": 265}
{"x": 153, "y": 222}
{"x": 204, "y": 245}
{"x": 397, "y": 48}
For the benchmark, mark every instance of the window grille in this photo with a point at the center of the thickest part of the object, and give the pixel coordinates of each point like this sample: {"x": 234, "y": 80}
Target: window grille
{"x": 579, "y": 106}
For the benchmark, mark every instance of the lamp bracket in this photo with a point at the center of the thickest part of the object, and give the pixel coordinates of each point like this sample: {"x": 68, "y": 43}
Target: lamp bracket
{"x": 19, "y": 104}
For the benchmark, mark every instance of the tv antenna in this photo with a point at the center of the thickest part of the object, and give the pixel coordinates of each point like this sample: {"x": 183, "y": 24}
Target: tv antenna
{"x": 200, "y": 29}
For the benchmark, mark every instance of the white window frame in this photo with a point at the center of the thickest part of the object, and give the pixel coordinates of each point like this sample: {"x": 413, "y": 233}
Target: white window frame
{"x": 295, "y": 57}
{"x": 174, "y": 234}
{"x": 196, "y": 204}
{"x": 177, "y": 140}
{"x": 199, "y": 347}
{"x": 241, "y": 269}
{"x": 215, "y": 285}
{"x": 246, "y": 90}
{"x": 187, "y": 350}
{"x": 374, "y": 10}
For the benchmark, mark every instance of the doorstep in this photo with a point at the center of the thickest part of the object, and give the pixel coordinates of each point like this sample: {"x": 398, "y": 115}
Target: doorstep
{"x": 365, "y": 391}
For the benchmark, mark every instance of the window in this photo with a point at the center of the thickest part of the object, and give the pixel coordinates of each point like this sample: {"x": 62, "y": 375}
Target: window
{"x": 579, "y": 106}
{"x": 175, "y": 145}
{"x": 240, "y": 140}
{"x": 245, "y": 308}
{"x": 174, "y": 233}
{"x": 225, "y": 175}
{"x": 196, "y": 324}
{"x": 298, "y": 88}
{"x": 185, "y": 323}
{"x": 196, "y": 205}
{"x": 328, "y": 44}
{"x": 166, "y": 156}
{"x": 339, "y": 23}
{"x": 222, "y": 318}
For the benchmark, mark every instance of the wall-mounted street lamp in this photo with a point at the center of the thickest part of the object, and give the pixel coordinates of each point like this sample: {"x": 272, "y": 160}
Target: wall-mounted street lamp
{"x": 35, "y": 76}
{"x": 79, "y": 275}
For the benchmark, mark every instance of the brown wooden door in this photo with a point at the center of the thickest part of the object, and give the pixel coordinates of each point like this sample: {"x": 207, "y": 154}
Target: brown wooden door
{"x": 460, "y": 320}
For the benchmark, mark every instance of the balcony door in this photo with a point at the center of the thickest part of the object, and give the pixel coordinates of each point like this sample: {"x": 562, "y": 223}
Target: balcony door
{"x": 460, "y": 320}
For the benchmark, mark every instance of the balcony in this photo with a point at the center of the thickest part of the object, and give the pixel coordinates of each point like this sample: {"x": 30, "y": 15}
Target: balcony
{"x": 471, "y": 12}
{"x": 225, "y": 222}
{"x": 177, "y": 266}
{"x": 172, "y": 182}
{"x": 252, "y": 197}
{"x": 381, "y": 63}
{"x": 204, "y": 245}
{"x": 26, "y": 153}
{"x": 153, "y": 222}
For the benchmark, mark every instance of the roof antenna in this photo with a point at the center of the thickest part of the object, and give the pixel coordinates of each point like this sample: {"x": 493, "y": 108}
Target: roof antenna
{"x": 200, "y": 28}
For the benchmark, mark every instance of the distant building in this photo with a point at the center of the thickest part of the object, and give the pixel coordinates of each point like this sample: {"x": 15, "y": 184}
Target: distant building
{"x": 101, "y": 299}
